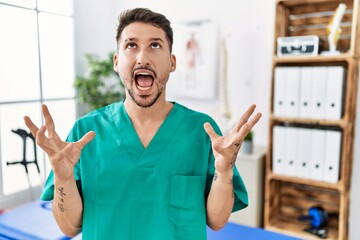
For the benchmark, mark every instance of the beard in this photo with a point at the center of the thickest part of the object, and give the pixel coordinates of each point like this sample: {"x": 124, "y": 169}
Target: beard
{"x": 145, "y": 101}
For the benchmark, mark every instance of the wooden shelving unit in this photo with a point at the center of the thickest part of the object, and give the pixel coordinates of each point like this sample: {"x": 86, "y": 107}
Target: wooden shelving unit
{"x": 288, "y": 197}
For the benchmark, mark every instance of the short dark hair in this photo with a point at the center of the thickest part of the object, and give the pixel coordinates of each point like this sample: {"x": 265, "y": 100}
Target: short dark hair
{"x": 146, "y": 16}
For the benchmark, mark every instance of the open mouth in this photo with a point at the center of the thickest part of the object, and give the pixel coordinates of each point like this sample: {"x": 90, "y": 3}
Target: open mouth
{"x": 144, "y": 80}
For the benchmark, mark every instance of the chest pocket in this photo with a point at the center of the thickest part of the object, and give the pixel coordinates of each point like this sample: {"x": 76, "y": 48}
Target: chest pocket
{"x": 187, "y": 200}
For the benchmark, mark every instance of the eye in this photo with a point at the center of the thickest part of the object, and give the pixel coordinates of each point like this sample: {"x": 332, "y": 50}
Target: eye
{"x": 131, "y": 45}
{"x": 155, "y": 45}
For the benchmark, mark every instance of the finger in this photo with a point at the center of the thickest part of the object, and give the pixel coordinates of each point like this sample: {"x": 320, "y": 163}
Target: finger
{"x": 40, "y": 136}
{"x": 49, "y": 122}
{"x": 244, "y": 118}
{"x": 34, "y": 131}
{"x": 32, "y": 127}
{"x": 41, "y": 141}
{"x": 86, "y": 139}
{"x": 246, "y": 128}
{"x": 210, "y": 131}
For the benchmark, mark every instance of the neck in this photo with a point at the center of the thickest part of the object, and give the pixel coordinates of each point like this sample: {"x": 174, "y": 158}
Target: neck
{"x": 142, "y": 116}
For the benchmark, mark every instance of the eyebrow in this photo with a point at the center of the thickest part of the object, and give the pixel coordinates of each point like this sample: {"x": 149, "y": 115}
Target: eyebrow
{"x": 130, "y": 39}
{"x": 157, "y": 39}
{"x": 135, "y": 39}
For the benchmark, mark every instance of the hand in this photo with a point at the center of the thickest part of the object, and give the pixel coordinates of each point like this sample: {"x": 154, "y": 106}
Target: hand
{"x": 63, "y": 155}
{"x": 226, "y": 148}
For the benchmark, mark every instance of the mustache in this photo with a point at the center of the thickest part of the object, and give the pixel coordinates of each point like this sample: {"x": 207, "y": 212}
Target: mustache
{"x": 143, "y": 68}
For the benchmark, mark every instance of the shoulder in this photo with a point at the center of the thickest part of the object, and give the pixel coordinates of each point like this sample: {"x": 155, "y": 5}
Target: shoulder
{"x": 97, "y": 120}
{"x": 195, "y": 117}
{"x": 103, "y": 113}
{"x": 192, "y": 114}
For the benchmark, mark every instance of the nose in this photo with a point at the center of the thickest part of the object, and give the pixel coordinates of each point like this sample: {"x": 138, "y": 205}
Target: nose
{"x": 143, "y": 58}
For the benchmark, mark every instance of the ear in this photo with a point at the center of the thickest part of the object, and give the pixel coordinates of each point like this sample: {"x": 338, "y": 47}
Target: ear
{"x": 173, "y": 63}
{"x": 115, "y": 62}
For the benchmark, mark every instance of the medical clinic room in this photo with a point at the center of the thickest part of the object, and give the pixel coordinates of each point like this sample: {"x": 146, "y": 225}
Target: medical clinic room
{"x": 179, "y": 120}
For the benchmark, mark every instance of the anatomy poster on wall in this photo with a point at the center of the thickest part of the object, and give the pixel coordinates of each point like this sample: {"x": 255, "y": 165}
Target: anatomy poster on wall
{"x": 196, "y": 51}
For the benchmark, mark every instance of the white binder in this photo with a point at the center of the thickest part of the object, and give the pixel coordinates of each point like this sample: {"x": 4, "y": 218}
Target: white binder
{"x": 279, "y": 91}
{"x": 291, "y": 136}
{"x": 292, "y": 92}
{"x": 304, "y": 153}
{"x": 334, "y": 93}
{"x": 317, "y": 154}
{"x": 318, "y": 97}
{"x": 278, "y": 154}
{"x": 305, "y": 104}
{"x": 332, "y": 156}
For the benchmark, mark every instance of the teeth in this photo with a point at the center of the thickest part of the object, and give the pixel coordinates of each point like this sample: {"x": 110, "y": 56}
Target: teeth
{"x": 143, "y": 88}
{"x": 143, "y": 73}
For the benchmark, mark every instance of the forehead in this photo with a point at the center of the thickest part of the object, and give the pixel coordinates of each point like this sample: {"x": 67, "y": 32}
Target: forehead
{"x": 142, "y": 32}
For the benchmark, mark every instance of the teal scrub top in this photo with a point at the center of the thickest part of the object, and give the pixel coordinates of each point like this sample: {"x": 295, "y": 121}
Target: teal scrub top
{"x": 159, "y": 192}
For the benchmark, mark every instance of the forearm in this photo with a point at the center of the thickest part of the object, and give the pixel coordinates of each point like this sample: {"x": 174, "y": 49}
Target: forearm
{"x": 67, "y": 206}
{"x": 220, "y": 201}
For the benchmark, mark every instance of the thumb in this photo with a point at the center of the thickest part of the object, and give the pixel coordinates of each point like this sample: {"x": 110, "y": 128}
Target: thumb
{"x": 87, "y": 138}
{"x": 210, "y": 131}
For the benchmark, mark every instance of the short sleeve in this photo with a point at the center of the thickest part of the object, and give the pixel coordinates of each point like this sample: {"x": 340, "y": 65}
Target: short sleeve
{"x": 241, "y": 195}
{"x": 48, "y": 190}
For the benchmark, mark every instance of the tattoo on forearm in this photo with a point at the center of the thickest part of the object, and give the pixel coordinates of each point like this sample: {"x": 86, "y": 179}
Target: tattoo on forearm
{"x": 61, "y": 190}
{"x": 61, "y": 199}
{"x": 61, "y": 207}
{"x": 230, "y": 181}
{"x": 215, "y": 176}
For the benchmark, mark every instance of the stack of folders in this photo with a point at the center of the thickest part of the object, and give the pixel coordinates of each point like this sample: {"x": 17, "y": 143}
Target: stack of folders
{"x": 307, "y": 153}
{"x": 314, "y": 92}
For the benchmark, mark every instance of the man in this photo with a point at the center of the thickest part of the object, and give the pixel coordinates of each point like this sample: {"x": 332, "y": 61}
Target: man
{"x": 156, "y": 169}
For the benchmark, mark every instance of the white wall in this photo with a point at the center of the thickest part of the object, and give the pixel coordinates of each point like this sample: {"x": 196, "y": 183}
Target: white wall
{"x": 250, "y": 57}
{"x": 95, "y": 27}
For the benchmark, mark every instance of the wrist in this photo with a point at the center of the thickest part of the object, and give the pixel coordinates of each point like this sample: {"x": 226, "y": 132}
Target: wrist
{"x": 226, "y": 177}
{"x": 59, "y": 180}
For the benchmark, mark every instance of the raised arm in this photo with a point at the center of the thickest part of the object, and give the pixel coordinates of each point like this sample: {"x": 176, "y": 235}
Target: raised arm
{"x": 67, "y": 203}
{"x": 220, "y": 201}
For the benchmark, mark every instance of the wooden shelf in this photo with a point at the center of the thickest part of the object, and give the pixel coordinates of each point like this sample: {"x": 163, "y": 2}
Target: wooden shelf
{"x": 292, "y": 3}
{"x": 290, "y": 200}
{"x": 314, "y": 122}
{"x": 288, "y": 197}
{"x": 293, "y": 227}
{"x": 313, "y": 59}
{"x": 304, "y": 181}
{"x": 315, "y": 15}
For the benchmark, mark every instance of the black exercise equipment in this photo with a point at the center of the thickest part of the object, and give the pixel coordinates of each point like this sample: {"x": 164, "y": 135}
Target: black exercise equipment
{"x": 25, "y": 135}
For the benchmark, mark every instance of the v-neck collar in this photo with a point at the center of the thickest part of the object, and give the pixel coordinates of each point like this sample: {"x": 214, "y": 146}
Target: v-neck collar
{"x": 129, "y": 137}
